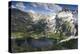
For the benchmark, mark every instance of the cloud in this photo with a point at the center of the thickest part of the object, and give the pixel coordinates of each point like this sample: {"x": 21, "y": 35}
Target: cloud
{"x": 34, "y": 4}
{"x": 32, "y": 11}
{"x": 20, "y": 6}
{"x": 53, "y": 8}
{"x": 49, "y": 7}
{"x": 44, "y": 8}
{"x": 12, "y": 6}
{"x": 57, "y": 8}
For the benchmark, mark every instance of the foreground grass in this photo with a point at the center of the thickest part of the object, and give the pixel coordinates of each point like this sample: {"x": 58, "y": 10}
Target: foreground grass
{"x": 37, "y": 35}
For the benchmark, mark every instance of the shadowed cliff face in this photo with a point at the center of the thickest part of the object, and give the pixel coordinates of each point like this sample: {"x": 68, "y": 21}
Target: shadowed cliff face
{"x": 19, "y": 20}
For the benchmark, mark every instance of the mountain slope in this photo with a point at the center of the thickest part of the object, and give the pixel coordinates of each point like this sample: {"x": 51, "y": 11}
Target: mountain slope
{"x": 24, "y": 21}
{"x": 19, "y": 20}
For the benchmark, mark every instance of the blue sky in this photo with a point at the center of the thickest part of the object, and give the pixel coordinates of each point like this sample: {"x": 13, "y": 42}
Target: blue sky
{"x": 43, "y": 8}
{"x": 70, "y": 6}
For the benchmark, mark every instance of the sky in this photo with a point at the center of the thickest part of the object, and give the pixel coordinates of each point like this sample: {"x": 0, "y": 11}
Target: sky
{"x": 43, "y": 8}
{"x": 70, "y": 6}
